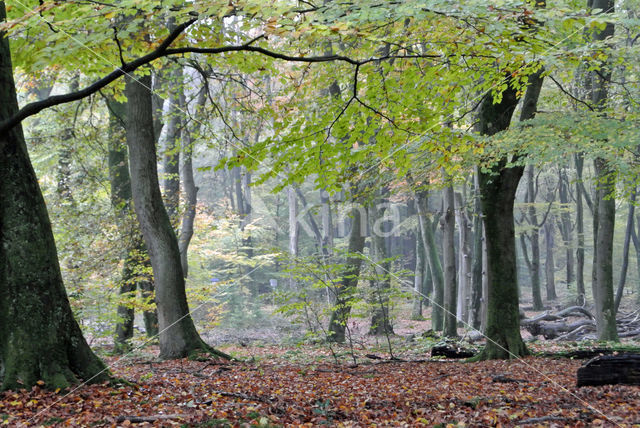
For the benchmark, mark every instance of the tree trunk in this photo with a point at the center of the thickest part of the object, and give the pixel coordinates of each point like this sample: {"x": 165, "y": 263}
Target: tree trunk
{"x": 121, "y": 202}
{"x": 604, "y": 202}
{"x": 189, "y": 184}
{"x": 580, "y": 289}
{"x": 178, "y": 335}
{"x": 464, "y": 277}
{"x": 498, "y": 189}
{"x": 529, "y": 107}
{"x": 294, "y": 228}
{"x": 625, "y": 251}
{"x": 39, "y": 338}
{"x": 604, "y": 223}
{"x": 135, "y": 253}
{"x": 636, "y": 245}
{"x": 535, "y": 242}
{"x": 549, "y": 263}
{"x": 380, "y": 321}
{"x": 476, "y": 270}
{"x": 503, "y": 317}
{"x": 327, "y": 223}
{"x": 437, "y": 275}
{"x": 171, "y": 149}
{"x": 342, "y": 308}
{"x": 449, "y": 257}
{"x": 418, "y": 279}
{"x": 565, "y": 224}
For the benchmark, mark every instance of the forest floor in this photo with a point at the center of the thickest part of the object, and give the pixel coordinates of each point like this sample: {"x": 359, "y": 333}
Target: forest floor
{"x": 303, "y": 385}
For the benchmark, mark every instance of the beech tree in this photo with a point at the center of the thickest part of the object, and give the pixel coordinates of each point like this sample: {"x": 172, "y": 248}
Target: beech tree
{"x": 39, "y": 338}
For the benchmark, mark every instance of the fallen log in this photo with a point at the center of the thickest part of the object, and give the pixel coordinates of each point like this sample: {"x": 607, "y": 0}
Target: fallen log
{"x": 451, "y": 351}
{"x": 575, "y": 310}
{"x": 551, "y": 330}
{"x": 610, "y": 370}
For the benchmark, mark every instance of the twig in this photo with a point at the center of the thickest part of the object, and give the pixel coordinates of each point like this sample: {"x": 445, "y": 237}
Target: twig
{"x": 141, "y": 419}
{"x": 542, "y": 419}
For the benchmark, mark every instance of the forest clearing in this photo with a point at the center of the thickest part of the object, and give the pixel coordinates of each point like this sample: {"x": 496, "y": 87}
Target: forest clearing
{"x": 307, "y": 213}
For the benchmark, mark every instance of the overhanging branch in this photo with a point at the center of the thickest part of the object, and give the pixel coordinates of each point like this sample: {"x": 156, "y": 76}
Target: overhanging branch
{"x": 163, "y": 51}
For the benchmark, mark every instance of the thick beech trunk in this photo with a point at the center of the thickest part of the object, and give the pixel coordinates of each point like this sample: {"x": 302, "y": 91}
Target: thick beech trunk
{"x": 604, "y": 206}
{"x": 503, "y": 317}
{"x": 604, "y": 224}
{"x": 449, "y": 257}
{"x": 498, "y": 189}
{"x": 178, "y": 335}
{"x": 135, "y": 253}
{"x": 39, "y": 338}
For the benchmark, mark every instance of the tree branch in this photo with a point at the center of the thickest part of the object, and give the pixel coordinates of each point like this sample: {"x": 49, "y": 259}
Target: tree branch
{"x": 35, "y": 107}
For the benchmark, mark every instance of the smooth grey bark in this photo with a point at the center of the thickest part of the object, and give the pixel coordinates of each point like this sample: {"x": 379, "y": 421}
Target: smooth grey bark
{"x": 449, "y": 257}
{"x": 549, "y": 263}
{"x": 294, "y": 228}
{"x": 604, "y": 201}
{"x": 64, "y": 158}
{"x": 135, "y": 253}
{"x": 464, "y": 257}
{"x": 171, "y": 146}
{"x": 625, "y": 251}
{"x": 178, "y": 335}
{"x": 580, "y": 288}
{"x": 418, "y": 279}
{"x": 157, "y": 102}
{"x": 604, "y": 224}
{"x": 529, "y": 107}
{"x": 564, "y": 225}
{"x": 188, "y": 182}
{"x": 535, "y": 241}
{"x": 476, "y": 269}
{"x": 433, "y": 259}
{"x": 39, "y": 338}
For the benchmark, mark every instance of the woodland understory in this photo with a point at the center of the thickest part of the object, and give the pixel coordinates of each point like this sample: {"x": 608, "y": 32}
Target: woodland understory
{"x": 308, "y": 213}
